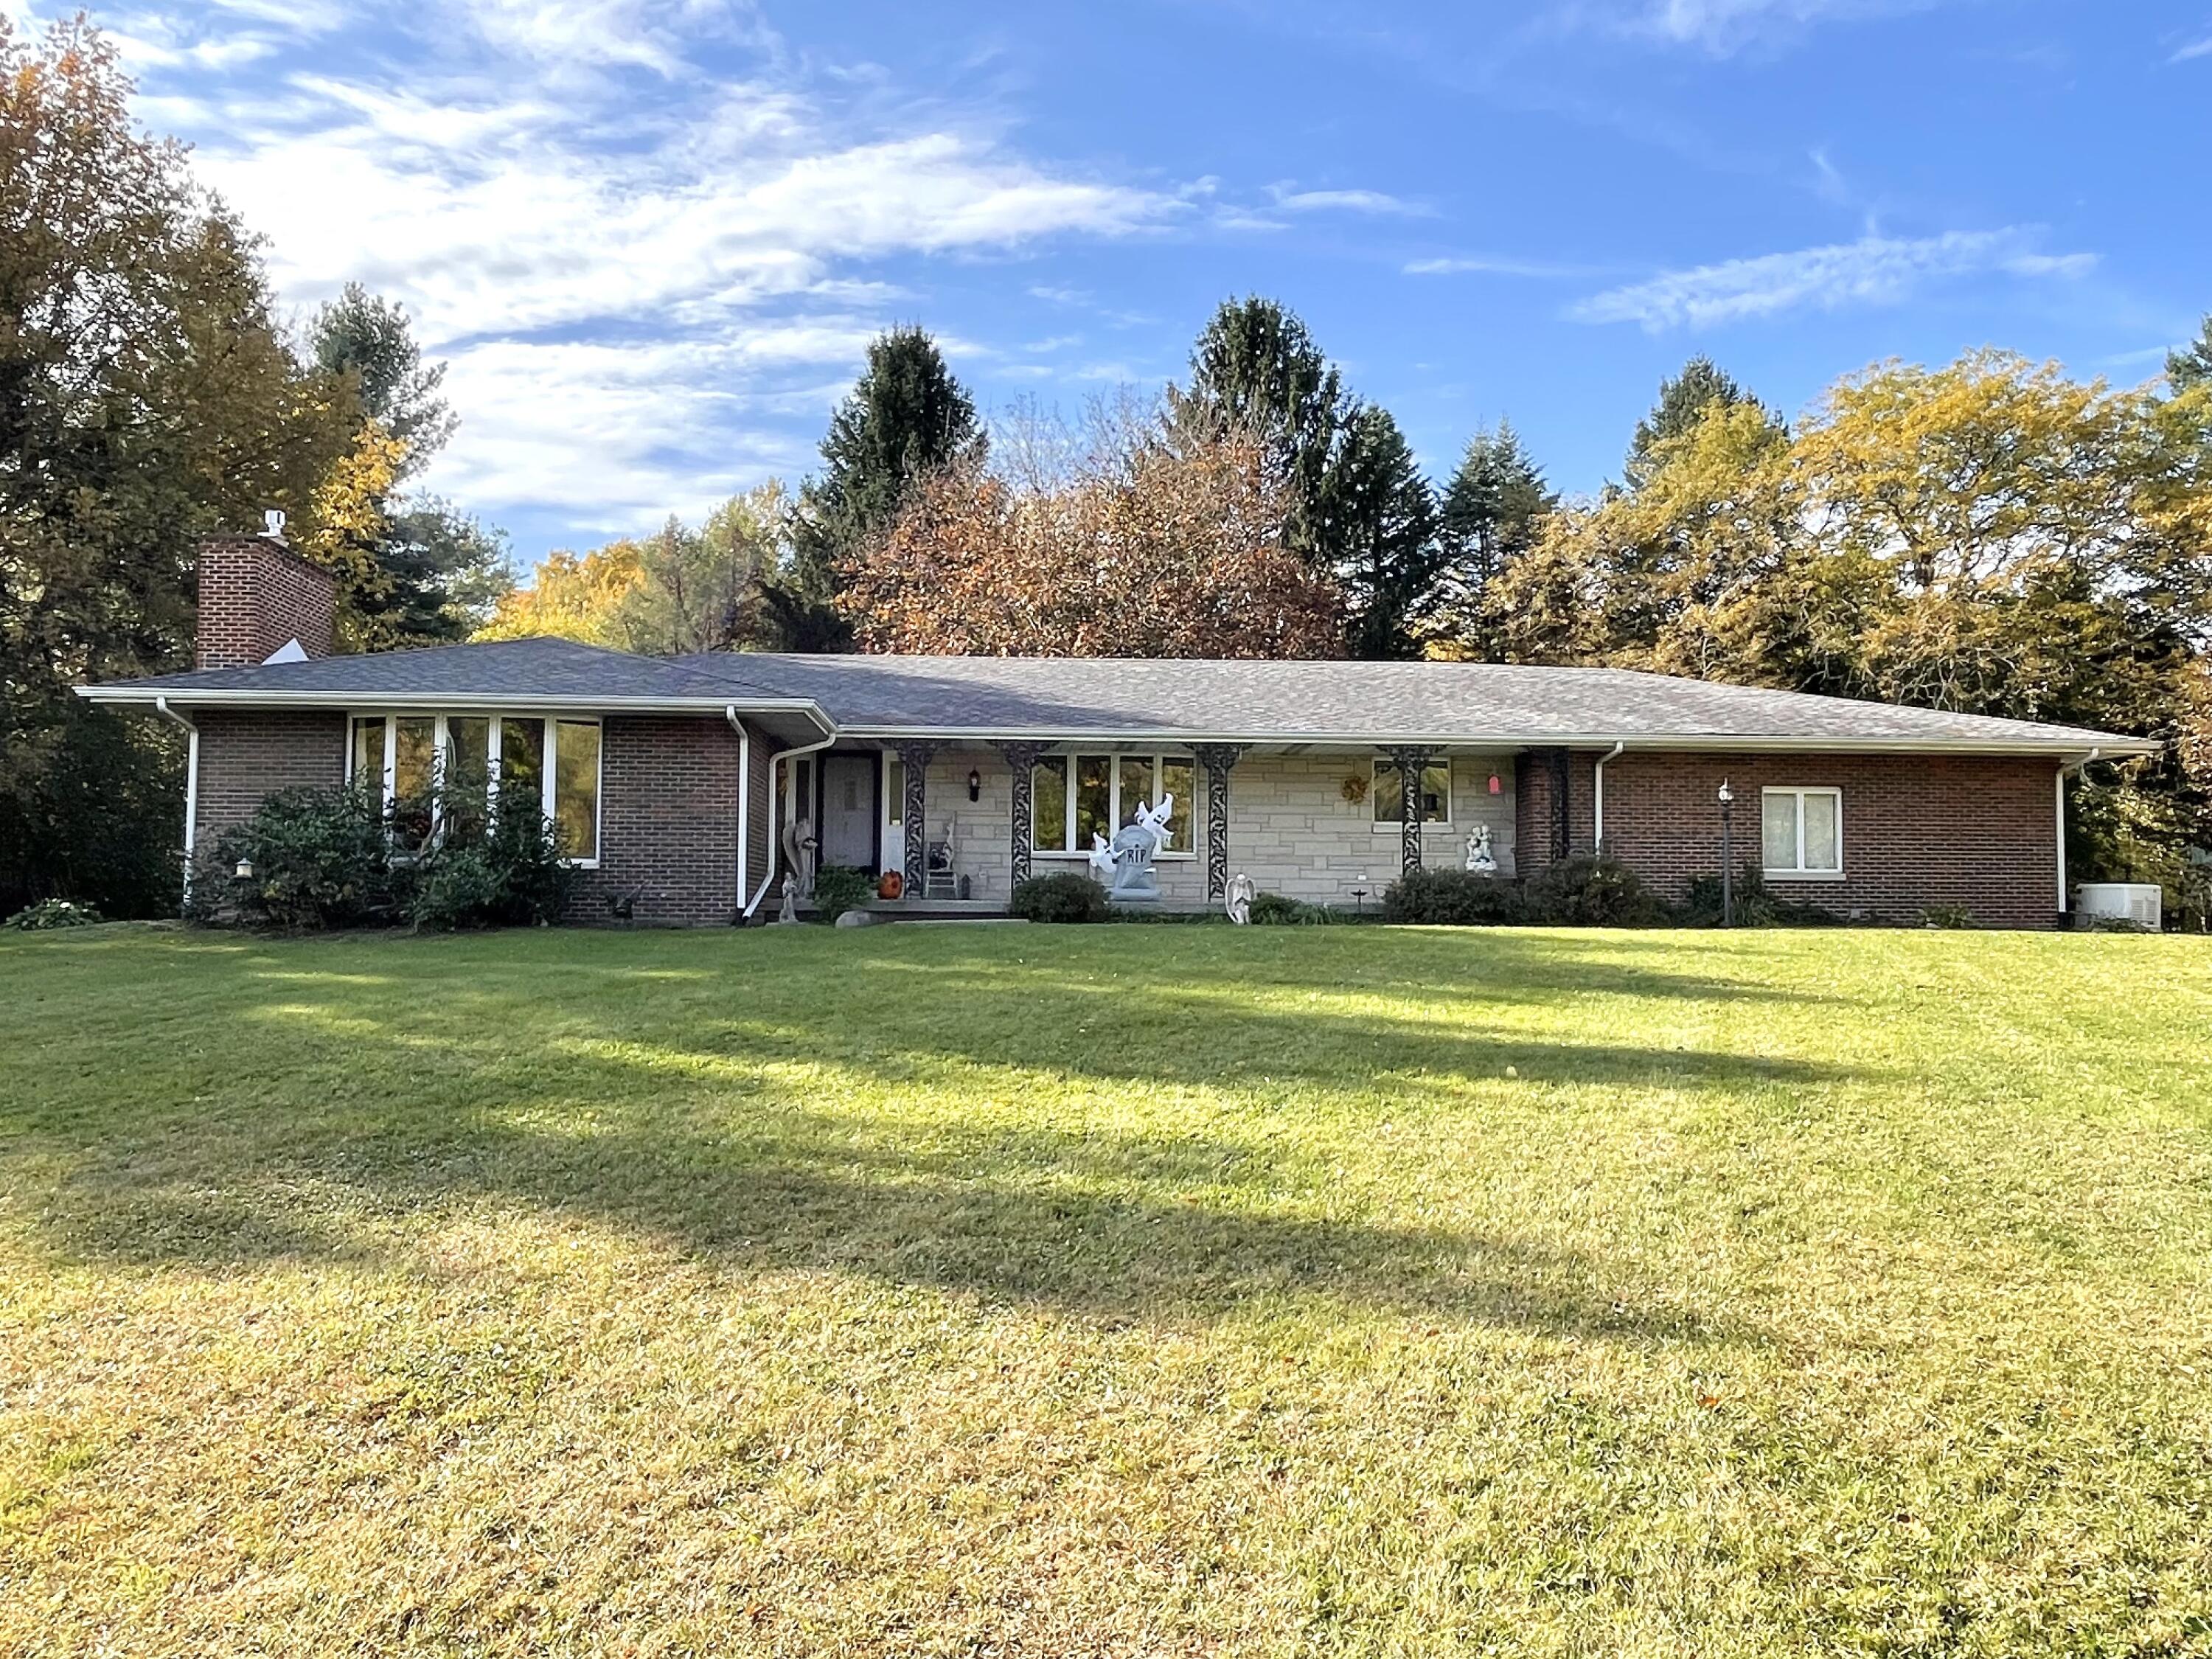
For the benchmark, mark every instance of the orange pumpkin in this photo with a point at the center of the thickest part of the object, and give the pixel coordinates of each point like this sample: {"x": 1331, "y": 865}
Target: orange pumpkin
{"x": 892, "y": 885}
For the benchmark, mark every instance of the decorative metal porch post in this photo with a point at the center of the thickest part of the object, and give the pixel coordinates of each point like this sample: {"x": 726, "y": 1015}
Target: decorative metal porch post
{"x": 1409, "y": 764}
{"x": 1022, "y": 757}
{"x": 1217, "y": 758}
{"x": 914, "y": 762}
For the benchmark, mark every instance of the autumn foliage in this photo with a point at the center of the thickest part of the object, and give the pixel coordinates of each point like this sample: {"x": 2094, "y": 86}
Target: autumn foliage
{"x": 1159, "y": 550}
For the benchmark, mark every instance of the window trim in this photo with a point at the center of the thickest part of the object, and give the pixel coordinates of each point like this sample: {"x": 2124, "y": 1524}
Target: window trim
{"x": 442, "y": 749}
{"x": 1799, "y": 872}
{"x": 1378, "y": 764}
{"x": 1158, "y": 759}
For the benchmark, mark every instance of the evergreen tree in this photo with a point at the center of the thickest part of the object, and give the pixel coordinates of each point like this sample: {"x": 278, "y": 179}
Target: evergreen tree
{"x": 2192, "y": 365}
{"x": 906, "y": 419}
{"x": 369, "y": 339}
{"x": 1382, "y": 529}
{"x": 420, "y": 572}
{"x": 1682, "y": 404}
{"x": 1493, "y": 510}
{"x": 1255, "y": 371}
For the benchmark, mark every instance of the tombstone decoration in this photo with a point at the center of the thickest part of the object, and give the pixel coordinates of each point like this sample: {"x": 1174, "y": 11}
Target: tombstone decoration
{"x": 1238, "y": 901}
{"x": 1480, "y": 858}
{"x": 1125, "y": 864}
{"x": 786, "y": 914}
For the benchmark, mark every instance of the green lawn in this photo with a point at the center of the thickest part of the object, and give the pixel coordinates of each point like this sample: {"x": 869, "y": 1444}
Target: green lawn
{"x": 1119, "y": 1289}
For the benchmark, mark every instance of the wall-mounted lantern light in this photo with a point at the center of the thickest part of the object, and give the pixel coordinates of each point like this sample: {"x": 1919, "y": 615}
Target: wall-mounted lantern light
{"x": 1497, "y": 784}
{"x": 975, "y": 784}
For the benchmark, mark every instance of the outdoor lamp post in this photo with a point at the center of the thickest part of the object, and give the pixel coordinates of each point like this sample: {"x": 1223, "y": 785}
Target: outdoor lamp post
{"x": 1727, "y": 856}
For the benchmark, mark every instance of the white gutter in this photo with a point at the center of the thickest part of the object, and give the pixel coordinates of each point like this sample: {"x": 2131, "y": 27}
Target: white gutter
{"x": 409, "y": 702}
{"x": 191, "y": 785}
{"x": 774, "y": 801}
{"x": 2059, "y": 792}
{"x": 1597, "y": 797}
{"x": 744, "y": 807}
{"x": 1684, "y": 742}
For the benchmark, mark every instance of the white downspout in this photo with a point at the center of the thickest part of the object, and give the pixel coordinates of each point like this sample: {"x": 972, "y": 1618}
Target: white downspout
{"x": 1597, "y": 797}
{"x": 744, "y": 808}
{"x": 2060, "y": 792}
{"x": 192, "y": 787}
{"x": 774, "y": 802}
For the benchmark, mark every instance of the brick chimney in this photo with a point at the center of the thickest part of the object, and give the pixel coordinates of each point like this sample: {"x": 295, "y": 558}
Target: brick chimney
{"x": 257, "y": 596}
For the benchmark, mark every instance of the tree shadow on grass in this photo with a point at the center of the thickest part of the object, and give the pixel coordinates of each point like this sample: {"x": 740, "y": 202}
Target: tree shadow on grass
{"x": 811, "y": 1111}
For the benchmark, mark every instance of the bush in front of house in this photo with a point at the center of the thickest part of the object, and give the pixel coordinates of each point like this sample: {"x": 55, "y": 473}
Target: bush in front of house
{"x": 839, "y": 887}
{"x": 1276, "y": 910}
{"x": 316, "y": 858}
{"x": 51, "y": 912}
{"x": 1451, "y": 898}
{"x": 320, "y": 859}
{"x": 1064, "y": 896}
{"x": 1590, "y": 891}
{"x": 1756, "y": 905}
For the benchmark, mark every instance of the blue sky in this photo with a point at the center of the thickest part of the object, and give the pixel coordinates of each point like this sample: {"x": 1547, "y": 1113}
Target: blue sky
{"x": 653, "y": 236}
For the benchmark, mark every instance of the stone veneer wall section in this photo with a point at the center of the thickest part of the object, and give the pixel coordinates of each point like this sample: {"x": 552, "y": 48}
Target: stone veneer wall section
{"x": 1919, "y": 830}
{"x": 256, "y": 596}
{"x": 1290, "y": 827}
{"x": 668, "y": 824}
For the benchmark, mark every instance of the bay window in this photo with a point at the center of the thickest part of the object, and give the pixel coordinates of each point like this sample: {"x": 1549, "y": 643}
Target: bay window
{"x": 1074, "y": 797}
{"x": 1801, "y": 831}
{"x": 427, "y": 768}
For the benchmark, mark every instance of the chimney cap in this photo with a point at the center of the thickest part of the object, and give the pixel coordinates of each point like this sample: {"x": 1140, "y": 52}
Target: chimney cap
{"x": 272, "y": 524}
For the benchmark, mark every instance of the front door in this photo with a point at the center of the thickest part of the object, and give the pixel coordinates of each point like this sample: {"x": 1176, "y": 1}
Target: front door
{"x": 848, "y": 810}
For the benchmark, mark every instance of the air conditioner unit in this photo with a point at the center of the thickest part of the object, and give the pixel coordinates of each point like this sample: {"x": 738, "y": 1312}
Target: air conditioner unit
{"x": 2142, "y": 902}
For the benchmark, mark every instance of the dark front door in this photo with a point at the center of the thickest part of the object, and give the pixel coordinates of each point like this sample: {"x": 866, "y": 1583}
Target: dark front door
{"x": 848, "y": 810}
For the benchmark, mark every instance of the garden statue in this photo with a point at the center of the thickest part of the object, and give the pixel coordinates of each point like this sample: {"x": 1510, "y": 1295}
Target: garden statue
{"x": 1480, "y": 858}
{"x": 1238, "y": 901}
{"x": 1125, "y": 862}
{"x": 786, "y": 914}
{"x": 798, "y": 849}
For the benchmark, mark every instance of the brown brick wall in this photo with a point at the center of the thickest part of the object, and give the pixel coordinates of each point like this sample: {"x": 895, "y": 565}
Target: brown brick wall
{"x": 668, "y": 824}
{"x": 1919, "y": 830}
{"x": 245, "y": 756}
{"x": 254, "y": 595}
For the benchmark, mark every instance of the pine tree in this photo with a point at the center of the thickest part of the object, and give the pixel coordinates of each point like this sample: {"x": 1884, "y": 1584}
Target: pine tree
{"x": 1255, "y": 371}
{"x": 1493, "y": 510}
{"x": 2190, "y": 365}
{"x": 369, "y": 338}
{"x": 1682, "y": 404}
{"x": 1382, "y": 529}
{"x": 906, "y": 419}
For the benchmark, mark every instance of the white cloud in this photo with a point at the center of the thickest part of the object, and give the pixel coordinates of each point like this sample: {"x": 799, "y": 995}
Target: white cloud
{"x": 1490, "y": 264}
{"x": 1721, "y": 26}
{"x": 1291, "y": 200}
{"x": 633, "y": 263}
{"x": 2193, "y": 50}
{"x": 1873, "y": 270}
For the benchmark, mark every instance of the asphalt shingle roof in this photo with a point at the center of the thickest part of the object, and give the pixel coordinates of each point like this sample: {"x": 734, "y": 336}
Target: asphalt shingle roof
{"x": 1250, "y": 701}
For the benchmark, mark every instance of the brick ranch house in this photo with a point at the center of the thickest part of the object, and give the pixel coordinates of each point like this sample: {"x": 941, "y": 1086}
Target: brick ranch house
{"x": 677, "y": 782}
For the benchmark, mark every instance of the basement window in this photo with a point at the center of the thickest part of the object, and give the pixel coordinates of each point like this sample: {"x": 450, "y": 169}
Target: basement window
{"x": 1802, "y": 832}
{"x": 427, "y": 767}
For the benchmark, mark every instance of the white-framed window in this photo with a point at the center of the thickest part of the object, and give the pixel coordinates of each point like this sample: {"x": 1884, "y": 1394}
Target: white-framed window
{"x": 1387, "y": 791}
{"x": 1802, "y": 832}
{"x": 413, "y": 759}
{"x": 1075, "y": 797}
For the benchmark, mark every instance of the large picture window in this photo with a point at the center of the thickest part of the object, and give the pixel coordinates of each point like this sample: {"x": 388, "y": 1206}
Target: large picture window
{"x": 1803, "y": 831}
{"x": 1389, "y": 793}
{"x": 1075, "y": 797}
{"x": 425, "y": 766}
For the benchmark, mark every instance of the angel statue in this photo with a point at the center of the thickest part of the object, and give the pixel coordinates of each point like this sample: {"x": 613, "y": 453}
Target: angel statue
{"x": 1480, "y": 858}
{"x": 1237, "y": 900}
{"x": 1125, "y": 863}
